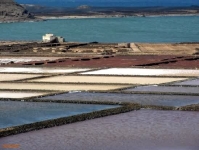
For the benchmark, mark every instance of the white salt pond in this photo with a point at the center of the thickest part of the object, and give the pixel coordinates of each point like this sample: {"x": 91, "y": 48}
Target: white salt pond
{"x": 145, "y": 72}
{"x": 6, "y": 60}
{"x": 20, "y": 94}
{"x": 144, "y": 99}
{"x": 39, "y": 70}
{"x": 19, "y": 113}
{"x": 108, "y": 79}
{"x": 136, "y": 130}
{"x": 12, "y": 77}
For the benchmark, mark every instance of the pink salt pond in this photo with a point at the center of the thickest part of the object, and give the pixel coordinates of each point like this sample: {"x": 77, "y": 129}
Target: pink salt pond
{"x": 136, "y": 130}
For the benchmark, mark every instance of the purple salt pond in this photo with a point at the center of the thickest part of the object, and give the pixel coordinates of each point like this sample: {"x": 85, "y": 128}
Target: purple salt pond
{"x": 194, "y": 82}
{"x": 145, "y": 99}
{"x": 165, "y": 89}
{"x": 136, "y": 130}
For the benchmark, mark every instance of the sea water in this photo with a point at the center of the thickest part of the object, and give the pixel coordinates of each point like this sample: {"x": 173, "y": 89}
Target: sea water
{"x": 129, "y": 29}
{"x": 110, "y": 3}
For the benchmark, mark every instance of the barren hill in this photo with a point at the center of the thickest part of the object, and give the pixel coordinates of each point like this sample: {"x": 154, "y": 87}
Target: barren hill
{"x": 10, "y": 11}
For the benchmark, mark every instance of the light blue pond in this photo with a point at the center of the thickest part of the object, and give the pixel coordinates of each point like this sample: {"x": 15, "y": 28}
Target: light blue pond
{"x": 19, "y": 113}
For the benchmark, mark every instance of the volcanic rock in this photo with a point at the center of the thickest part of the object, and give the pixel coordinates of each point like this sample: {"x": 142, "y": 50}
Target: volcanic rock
{"x": 10, "y": 11}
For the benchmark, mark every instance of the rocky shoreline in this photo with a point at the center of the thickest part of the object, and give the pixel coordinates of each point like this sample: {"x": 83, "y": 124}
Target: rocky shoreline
{"x": 85, "y": 11}
{"x": 15, "y": 21}
{"x": 110, "y": 16}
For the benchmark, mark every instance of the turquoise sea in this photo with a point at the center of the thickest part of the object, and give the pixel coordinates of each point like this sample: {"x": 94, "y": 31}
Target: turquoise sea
{"x": 129, "y": 29}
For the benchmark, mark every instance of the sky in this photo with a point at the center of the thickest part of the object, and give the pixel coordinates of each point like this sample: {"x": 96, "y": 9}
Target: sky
{"x": 135, "y": 3}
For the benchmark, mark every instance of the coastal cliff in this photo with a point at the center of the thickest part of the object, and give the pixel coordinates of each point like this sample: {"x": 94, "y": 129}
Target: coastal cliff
{"x": 10, "y": 11}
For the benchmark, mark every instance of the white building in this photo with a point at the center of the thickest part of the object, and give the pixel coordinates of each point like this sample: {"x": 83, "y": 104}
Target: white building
{"x": 52, "y": 38}
{"x": 48, "y": 38}
{"x": 60, "y": 39}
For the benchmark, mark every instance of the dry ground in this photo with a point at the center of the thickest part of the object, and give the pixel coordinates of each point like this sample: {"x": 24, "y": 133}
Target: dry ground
{"x": 173, "y": 49}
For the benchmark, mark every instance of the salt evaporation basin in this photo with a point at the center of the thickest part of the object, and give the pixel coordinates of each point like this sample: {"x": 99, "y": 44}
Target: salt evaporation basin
{"x": 12, "y": 77}
{"x": 136, "y": 130}
{"x": 19, "y": 113}
{"x": 193, "y": 82}
{"x": 165, "y": 89}
{"x": 107, "y": 79}
{"x": 20, "y": 94}
{"x": 144, "y": 99}
{"x": 145, "y": 72}
{"x": 6, "y": 60}
{"x": 39, "y": 70}
{"x": 59, "y": 87}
